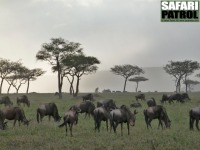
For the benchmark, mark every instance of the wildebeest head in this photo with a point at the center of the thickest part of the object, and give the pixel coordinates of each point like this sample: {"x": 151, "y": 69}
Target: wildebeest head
{"x": 130, "y": 116}
{"x": 75, "y": 108}
{"x": 3, "y": 125}
{"x": 166, "y": 119}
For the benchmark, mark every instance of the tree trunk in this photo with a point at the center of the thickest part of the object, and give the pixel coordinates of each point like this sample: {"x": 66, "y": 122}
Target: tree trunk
{"x": 178, "y": 86}
{"x": 77, "y": 86}
{"x": 125, "y": 84}
{"x": 1, "y": 85}
{"x": 9, "y": 88}
{"x": 136, "y": 87}
{"x": 27, "y": 87}
{"x": 59, "y": 84}
{"x": 186, "y": 87}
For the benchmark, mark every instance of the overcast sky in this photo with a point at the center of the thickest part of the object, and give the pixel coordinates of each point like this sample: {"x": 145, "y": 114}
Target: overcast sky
{"x": 115, "y": 31}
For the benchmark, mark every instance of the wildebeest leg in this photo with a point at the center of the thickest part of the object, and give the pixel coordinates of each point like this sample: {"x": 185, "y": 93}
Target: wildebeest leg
{"x": 14, "y": 122}
{"x": 160, "y": 123}
{"x": 66, "y": 128}
{"x": 99, "y": 124}
{"x": 115, "y": 127}
{"x": 146, "y": 120}
{"x": 121, "y": 129}
{"x": 107, "y": 124}
{"x": 197, "y": 124}
{"x": 128, "y": 128}
{"x": 49, "y": 117}
{"x": 149, "y": 122}
{"x": 191, "y": 123}
{"x": 70, "y": 127}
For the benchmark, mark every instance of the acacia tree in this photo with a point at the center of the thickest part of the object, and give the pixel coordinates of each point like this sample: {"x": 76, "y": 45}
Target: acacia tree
{"x": 19, "y": 77}
{"x": 126, "y": 71}
{"x": 54, "y": 52}
{"x": 80, "y": 65}
{"x": 31, "y": 75}
{"x": 137, "y": 80}
{"x": 13, "y": 74}
{"x": 181, "y": 70}
{"x": 189, "y": 68}
{"x": 6, "y": 68}
{"x": 190, "y": 83}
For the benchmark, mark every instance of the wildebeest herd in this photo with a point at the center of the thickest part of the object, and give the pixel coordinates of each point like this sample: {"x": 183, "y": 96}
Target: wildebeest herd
{"x": 106, "y": 110}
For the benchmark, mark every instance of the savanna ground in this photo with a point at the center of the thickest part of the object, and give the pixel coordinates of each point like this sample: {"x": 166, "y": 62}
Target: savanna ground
{"x": 47, "y": 135}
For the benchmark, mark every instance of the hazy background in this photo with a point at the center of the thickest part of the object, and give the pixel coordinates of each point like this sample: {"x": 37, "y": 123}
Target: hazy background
{"x": 115, "y": 31}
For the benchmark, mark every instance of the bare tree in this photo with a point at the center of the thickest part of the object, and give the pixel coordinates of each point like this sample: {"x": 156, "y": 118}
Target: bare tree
{"x": 137, "y": 80}
{"x": 126, "y": 71}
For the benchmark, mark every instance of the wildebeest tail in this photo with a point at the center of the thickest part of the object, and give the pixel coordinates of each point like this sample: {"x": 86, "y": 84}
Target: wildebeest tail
{"x": 65, "y": 122}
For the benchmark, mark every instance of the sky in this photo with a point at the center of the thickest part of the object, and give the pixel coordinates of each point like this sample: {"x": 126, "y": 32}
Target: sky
{"x": 115, "y": 31}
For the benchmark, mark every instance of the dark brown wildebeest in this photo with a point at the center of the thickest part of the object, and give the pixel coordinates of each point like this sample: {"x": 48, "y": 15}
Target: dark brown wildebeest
{"x": 70, "y": 118}
{"x": 194, "y": 115}
{"x": 157, "y": 112}
{"x": 48, "y": 109}
{"x": 107, "y": 103}
{"x": 185, "y": 96}
{"x": 151, "y": 102}
{"x": 23, "y": 99}
{"x": 86, "y": 107}
{"x": 165, "y": 98}
{"x": 16, "y": 114}
{"x": 140, "y": 96}
{"x": 122, "y": 115}
{"x": 177, "y": 97}
{"x": 2, "y": 123}
{"x": 101, "y": 114}
{"x": 136, "y": 105}
{"x": 87, "y": 97}
{"x": 6, "y": 101}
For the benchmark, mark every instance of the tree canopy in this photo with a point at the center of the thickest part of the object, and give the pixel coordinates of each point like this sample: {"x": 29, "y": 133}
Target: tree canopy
{"x": 181, "y": 70}
{"x": 137, "y": 80}
{"x": 126, "y": 71}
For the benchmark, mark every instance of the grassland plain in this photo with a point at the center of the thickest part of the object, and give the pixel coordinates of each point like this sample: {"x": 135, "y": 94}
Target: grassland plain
{"x": 47, "y": 135}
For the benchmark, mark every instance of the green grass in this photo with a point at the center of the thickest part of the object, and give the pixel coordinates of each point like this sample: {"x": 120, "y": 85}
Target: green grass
{"x": 47, "y": 135}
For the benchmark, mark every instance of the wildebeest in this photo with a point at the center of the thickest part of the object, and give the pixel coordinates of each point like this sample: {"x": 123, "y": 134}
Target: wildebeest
{"x": 48, "y": 109}
{"x": 101, "y": 114}
{"x": 151, "y": 102}
{"x": 23, "y": 99}
{"x": 140, "y": 96}
{"x": 2, "y": 123}
{"x": 194, "y": 115}
{"x": 165, "y": 98}
{"x": 136, "y": 105}
{"x": 157, "y": 112}
{"x": 70, "y": 118}
{"x": 87, "y": 97}
{"x": 86, "y": 107}
{"x": 107, "y": 103}
{"x": 6, "y": 101}
{"x": 16, "y": 114}
{"x": 122, "y": 115}
{"x": 185, "y": 96}
{"x": 177, "y": 97}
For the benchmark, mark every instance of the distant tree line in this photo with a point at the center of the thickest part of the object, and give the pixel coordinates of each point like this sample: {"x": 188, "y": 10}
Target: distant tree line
{"x": 69, "y": 61}
{"x": 16, "y": 74}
